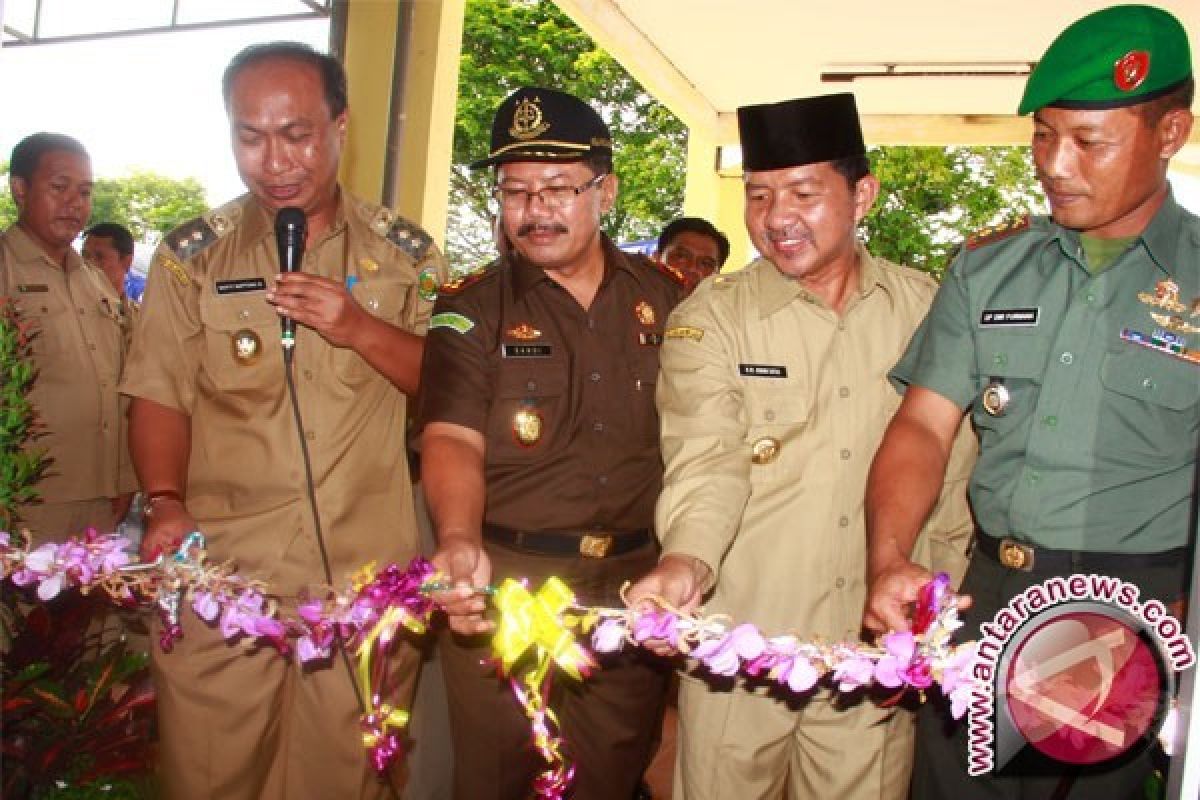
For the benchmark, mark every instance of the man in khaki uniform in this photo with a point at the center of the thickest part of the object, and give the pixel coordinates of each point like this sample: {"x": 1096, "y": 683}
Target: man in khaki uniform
{"x": 773, "y": 398}
{"x": 78, "y": 347}
{"x": 218, "y": 450}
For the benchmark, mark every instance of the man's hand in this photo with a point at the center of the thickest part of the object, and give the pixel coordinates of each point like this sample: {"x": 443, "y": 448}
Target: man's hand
{"x": 318, "y": 303}
{"x": 167, "y": 522}
{"x": 680, "y": 581}
{"x": 463, "y": 560}
{"x": 891, "y": 593}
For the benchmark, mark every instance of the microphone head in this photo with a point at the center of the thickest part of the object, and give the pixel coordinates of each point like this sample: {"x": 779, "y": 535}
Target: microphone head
{"x": 290, "y": 220}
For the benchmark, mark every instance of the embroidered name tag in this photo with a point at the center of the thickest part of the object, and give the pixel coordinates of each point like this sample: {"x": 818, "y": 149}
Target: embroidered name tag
{"x": 32, "y": 287}
{"x": 1015, "y": 317}
{"x": 239, "y": 285}
{"x": 762, "y": 370}
{"x": 527, "y": 351}
{"x": 650, "y": 339}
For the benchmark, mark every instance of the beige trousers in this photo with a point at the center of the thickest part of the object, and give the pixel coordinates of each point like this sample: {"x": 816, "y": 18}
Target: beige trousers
{"x": 734, "y": 745}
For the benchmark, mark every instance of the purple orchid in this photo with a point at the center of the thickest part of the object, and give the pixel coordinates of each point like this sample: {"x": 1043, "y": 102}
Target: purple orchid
{"x": 609, "y": 636}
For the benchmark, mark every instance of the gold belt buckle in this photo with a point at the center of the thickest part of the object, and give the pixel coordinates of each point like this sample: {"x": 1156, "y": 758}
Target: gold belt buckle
{"x": 595, "y": 546}
{"x": 1015, "y": 555}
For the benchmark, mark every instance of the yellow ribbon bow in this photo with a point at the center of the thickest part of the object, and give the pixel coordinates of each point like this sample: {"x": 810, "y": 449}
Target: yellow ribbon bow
{"x": 536, "y": 620}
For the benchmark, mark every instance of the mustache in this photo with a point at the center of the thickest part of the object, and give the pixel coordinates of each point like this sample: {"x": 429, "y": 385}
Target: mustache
{"x": 540, "y": 227}
{"x": 789, "y": 233}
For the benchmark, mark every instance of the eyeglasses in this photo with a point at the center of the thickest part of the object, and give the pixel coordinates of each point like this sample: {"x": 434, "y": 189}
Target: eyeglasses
{"x": 550, "y": 196}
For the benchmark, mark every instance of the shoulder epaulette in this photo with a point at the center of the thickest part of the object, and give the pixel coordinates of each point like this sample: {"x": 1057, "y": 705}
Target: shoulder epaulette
{"x": 404, "y": 234}
{"x": 997, "y": 232}
{"x": 453, "y": 287}
{"x": 673, "y": 273}
{"x": 191, "y": 238}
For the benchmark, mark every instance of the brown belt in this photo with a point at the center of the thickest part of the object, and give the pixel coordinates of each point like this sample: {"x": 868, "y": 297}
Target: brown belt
{"x": 1027, "y": 557}
{"x": 586, "y": 543}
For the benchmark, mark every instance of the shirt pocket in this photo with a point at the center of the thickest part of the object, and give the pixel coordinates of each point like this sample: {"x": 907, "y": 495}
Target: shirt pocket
{"x": 777, "y": 417}
{"x": 392, "y": 300}
{"x": 529, "y": 416}
{"x": 48, "y": 314}
{"x": 1015, "y": 359}
{"x": 241, "y": 350}
{"x": 1150, "y": 402}
{"x": 641, "y": 372}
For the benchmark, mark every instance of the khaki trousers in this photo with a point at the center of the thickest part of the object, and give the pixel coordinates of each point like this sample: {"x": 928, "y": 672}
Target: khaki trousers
{"x": 243, "y": 722}
{"x": 734, "y": 745}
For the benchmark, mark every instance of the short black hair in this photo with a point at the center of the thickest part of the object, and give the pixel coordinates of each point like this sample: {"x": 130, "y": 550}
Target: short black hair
{"x": 600, "y": 160}
{"x": 694, "y": 225}
{"x": 122, "y": 239}
{"x": 1180, "y": 97}
{"x": 29, "y": 151}
{"x": 852, "y": 168}
{"x": 333, "y": 76}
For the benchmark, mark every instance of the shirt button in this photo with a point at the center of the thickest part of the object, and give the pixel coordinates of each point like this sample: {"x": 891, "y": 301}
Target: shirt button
{"x": 308, "y": 374}
{"x": 1034, "y": 476}
{"x": 1148, "y": 383}
{"x": 1067, "y": 357}
{"x": 844, "y": 391}
{"x": 598, "y": 427}
{"x": 769, "y": 415}
{"x": 310, "y": 435}
{"x": 840, "y": 582}
{"x": 530, "y": 386}
{"x": 841, "y": 325}
{"x": 595, "y": 376}
{"x": 1091, "y": 298}
{"x": 845, "y": 454}
{"x": 602, "y": 480}
{"x": 843, "y": 522}
{"x": 91, "y": 347}
{"x": 1000, "y": 359}
{"x": 244, "y": 314}
{"x": 1051, "y": 421}
{"x": 591, "y": 324}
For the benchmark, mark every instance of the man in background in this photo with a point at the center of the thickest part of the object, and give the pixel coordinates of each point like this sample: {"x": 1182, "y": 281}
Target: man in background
{"x": 693, "y": 246}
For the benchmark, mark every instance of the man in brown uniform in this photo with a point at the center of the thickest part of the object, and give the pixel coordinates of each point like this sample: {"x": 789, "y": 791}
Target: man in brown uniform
{"x": 78, "y": 348}
{"x": 774, "y": 396}
{"x": 218, "y": 450}
{"x": 538, "y": 402}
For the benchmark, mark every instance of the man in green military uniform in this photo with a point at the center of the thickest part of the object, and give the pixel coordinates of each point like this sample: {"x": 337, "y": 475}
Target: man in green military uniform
{"x": 774, "y": 396}
{"x": 1073, "y": 344}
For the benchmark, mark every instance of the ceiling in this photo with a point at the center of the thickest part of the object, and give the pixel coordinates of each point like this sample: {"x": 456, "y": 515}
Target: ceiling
{"x": 704, "y": 58}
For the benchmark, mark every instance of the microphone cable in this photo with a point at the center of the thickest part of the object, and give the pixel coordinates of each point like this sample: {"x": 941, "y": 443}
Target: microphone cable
{"x": 310, "y": 486}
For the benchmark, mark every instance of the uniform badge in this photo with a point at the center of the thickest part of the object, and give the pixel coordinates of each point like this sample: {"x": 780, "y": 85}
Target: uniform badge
{"x": 427, "y": 284}
{"x": 995, "y": 399}
{"x": 247, "y": 347}
{"x": 451, "y": 320}
{"x": 1164, "y": 342}
{"x": 645, "y": 313}
{"x": 1131, "y": 70}
{"x": 1175, "y": 323}
{"x": 527, "y": 122}
{"x": 382, "y": 221}
{"x": 525, "y": 332}
{"x": 368, "y": 266}
{"x": 26, "y": 288}
{"x": 176, "y": 269}
{"x": 527, "y": 426}
{"x": 684, "y": 332}
{"x": 219, "y": 223}
{"x": 765, "y": 450}
{"x": 1165, "y": 296}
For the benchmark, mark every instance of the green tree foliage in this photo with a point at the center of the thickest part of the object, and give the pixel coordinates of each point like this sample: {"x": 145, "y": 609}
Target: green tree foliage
{"x": 141, "y": 201}
{"x": 934, "y": 197}
{"x": 513, "y": 43}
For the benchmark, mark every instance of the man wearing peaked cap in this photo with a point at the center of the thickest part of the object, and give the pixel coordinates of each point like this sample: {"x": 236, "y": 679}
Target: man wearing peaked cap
{"x": 540, "y": 445}
{"x": 773, "y": 398}
{"x": 1073, "y": 342}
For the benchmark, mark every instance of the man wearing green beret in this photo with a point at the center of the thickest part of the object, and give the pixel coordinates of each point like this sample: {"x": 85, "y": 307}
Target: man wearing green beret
{"x": 1074, "y": 343}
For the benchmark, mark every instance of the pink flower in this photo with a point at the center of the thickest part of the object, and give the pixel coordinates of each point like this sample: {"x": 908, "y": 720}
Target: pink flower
{"x": 205, "y": 604}
{"x": 801, "y": 675}
{"x": 900, "y": 647}
{"x": 747, "y": 641}
{"x": 608, "y": 636}
{"x": 719, "y": 656}
{"x": 655, "y": 625}
{"x": 853, "y": 672}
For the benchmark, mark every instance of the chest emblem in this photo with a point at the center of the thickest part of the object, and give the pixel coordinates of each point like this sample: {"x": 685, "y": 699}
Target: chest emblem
{"x": 527, "y": 426}
{"x": 1164, "y": 296}
{"x": 247, "y": 347}
{"x": 645, "y": 313}
{"x": 525, "y": 332}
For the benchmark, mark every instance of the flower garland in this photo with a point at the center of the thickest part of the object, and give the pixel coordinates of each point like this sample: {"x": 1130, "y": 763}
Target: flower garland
{"x": 543, "y": 625}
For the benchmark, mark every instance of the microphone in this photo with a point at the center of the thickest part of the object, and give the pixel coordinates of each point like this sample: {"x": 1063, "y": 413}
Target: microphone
{"x": 290, "y": 230}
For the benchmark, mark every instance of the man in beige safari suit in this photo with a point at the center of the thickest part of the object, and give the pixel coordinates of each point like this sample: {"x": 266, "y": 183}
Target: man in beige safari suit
{"x": 217, "y": 448}
{"x": 773, "y": 397}
{"x": 78, "y": 345}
